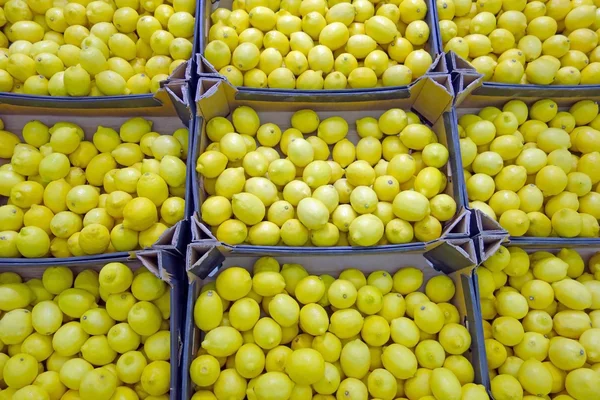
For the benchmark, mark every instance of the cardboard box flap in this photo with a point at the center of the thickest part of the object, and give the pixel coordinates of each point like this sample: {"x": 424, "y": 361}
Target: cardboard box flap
{"x": 181, "y": 72}
{"x": 200, "y": 231}
{"x": 507, "y": 91}
{"x": 335, "y": 250}
{"x": 207, "y": 260}
{"x": 487, "y": 244}
{"x": 430, "y": 97}
{"x": 175, "y": 238}
{"x": 164, "y": 264}
{"x": 483, "y": 223}
{"x": 202, "y": 258}
{"x": 181, "y": 98}
{"x": 465, "y": 83}
{"x": 459, "y": 225}
{"x": 554, "y": 242}
{"x": 450, "y": 256}
{"x": 68, "y": 262}
{"x": 459, "y": 64}
{"x": 158, "y": 105}
{"x": 205, "y": 68}
{"x": 149, "y": 259}
{"x": 345, "y": 95}
{"x": 97, "y": 102}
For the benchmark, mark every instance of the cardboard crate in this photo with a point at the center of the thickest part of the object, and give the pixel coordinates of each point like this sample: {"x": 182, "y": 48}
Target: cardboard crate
{"x": 487, "y": 233}
{"x": 171, "y": 110}
{"x": 205, "y": 69}
{"x": 453, "y": 258}
{"x": 430, "y": 98}
{"x": 165, "y": 265}
{"x": 585, "y": 251}
{"x": 471, "y": 81}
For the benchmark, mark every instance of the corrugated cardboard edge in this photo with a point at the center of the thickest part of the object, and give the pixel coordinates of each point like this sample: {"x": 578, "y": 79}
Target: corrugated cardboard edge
{"x": 181, "y": 74}
{"x": 212, "y": 90}
{"x": 446, "y": 256}
{"x": 438, "y": 68}
{"x": 472, "y": 82}
{"x": 487, "y": 244}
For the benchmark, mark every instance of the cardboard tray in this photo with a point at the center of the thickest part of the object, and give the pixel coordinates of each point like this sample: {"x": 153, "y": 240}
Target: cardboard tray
{"x": 487, "y": 233}
{"x": 473, "y": 82}
{"x": 430, "y": 98}
{"x": 163, "y": 264}
{"x": 205, "y": 69}
{"x": 585, "y": 251}
{"x": 455, "y": 260}
{"x": 169, "y": 110}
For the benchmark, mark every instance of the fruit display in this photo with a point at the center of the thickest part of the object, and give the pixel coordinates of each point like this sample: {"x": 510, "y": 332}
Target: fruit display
{"x": 92, "y": 48}
{"x": 323, "y": 181}
{"x": 281, "y": 332}
{"x": 100, "y": 334}
{"x": 525, "y": 42}
{"x": 75, "y": 193}
{"x": 541, "y": 320}
{"x": 319, "y": 44}
{"x": 535, "y": 169}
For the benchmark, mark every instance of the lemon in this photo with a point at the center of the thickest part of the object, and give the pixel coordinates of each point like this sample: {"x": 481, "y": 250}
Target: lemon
{"x": 244, "y": 314}
{"x": 579, "y": 383}
{"x": 204, "y": 370}
{"x": 230, "y": 383}
{"x": 360, "y": 173}
{"x": 429, "y": 317}
{"x": 118, "y": 305}
{"x": 32, "y": 242}
{"x": 305, "y": 366}
{"x": 346, "y": 323}
{"x": 144, "y": 318}
{"x": 284, "y": 310}
{"x": 272, "y": 385}
{"x": 400, "y": 361}
{"x": 17, "y": 326}
{"x": 313, "y": 319}
{"x": 96, "y": 321}
{"x": 366, "y": 230}
{"x": 68, "y": 339}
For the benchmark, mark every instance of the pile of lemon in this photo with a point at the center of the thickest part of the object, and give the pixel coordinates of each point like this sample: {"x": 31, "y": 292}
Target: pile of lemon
{"x": 535, "y": 170}
{"x": 92, "y": 336}
{"x": 92, "y": 48}
{"x": 526, "y": 42}
{"x": 541, "y": 322}
{"x": 388, "y": 188}
{"x": 68, "y": 196}
{"x": 320, "y": 44}
{"x": 281, "y": 333}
